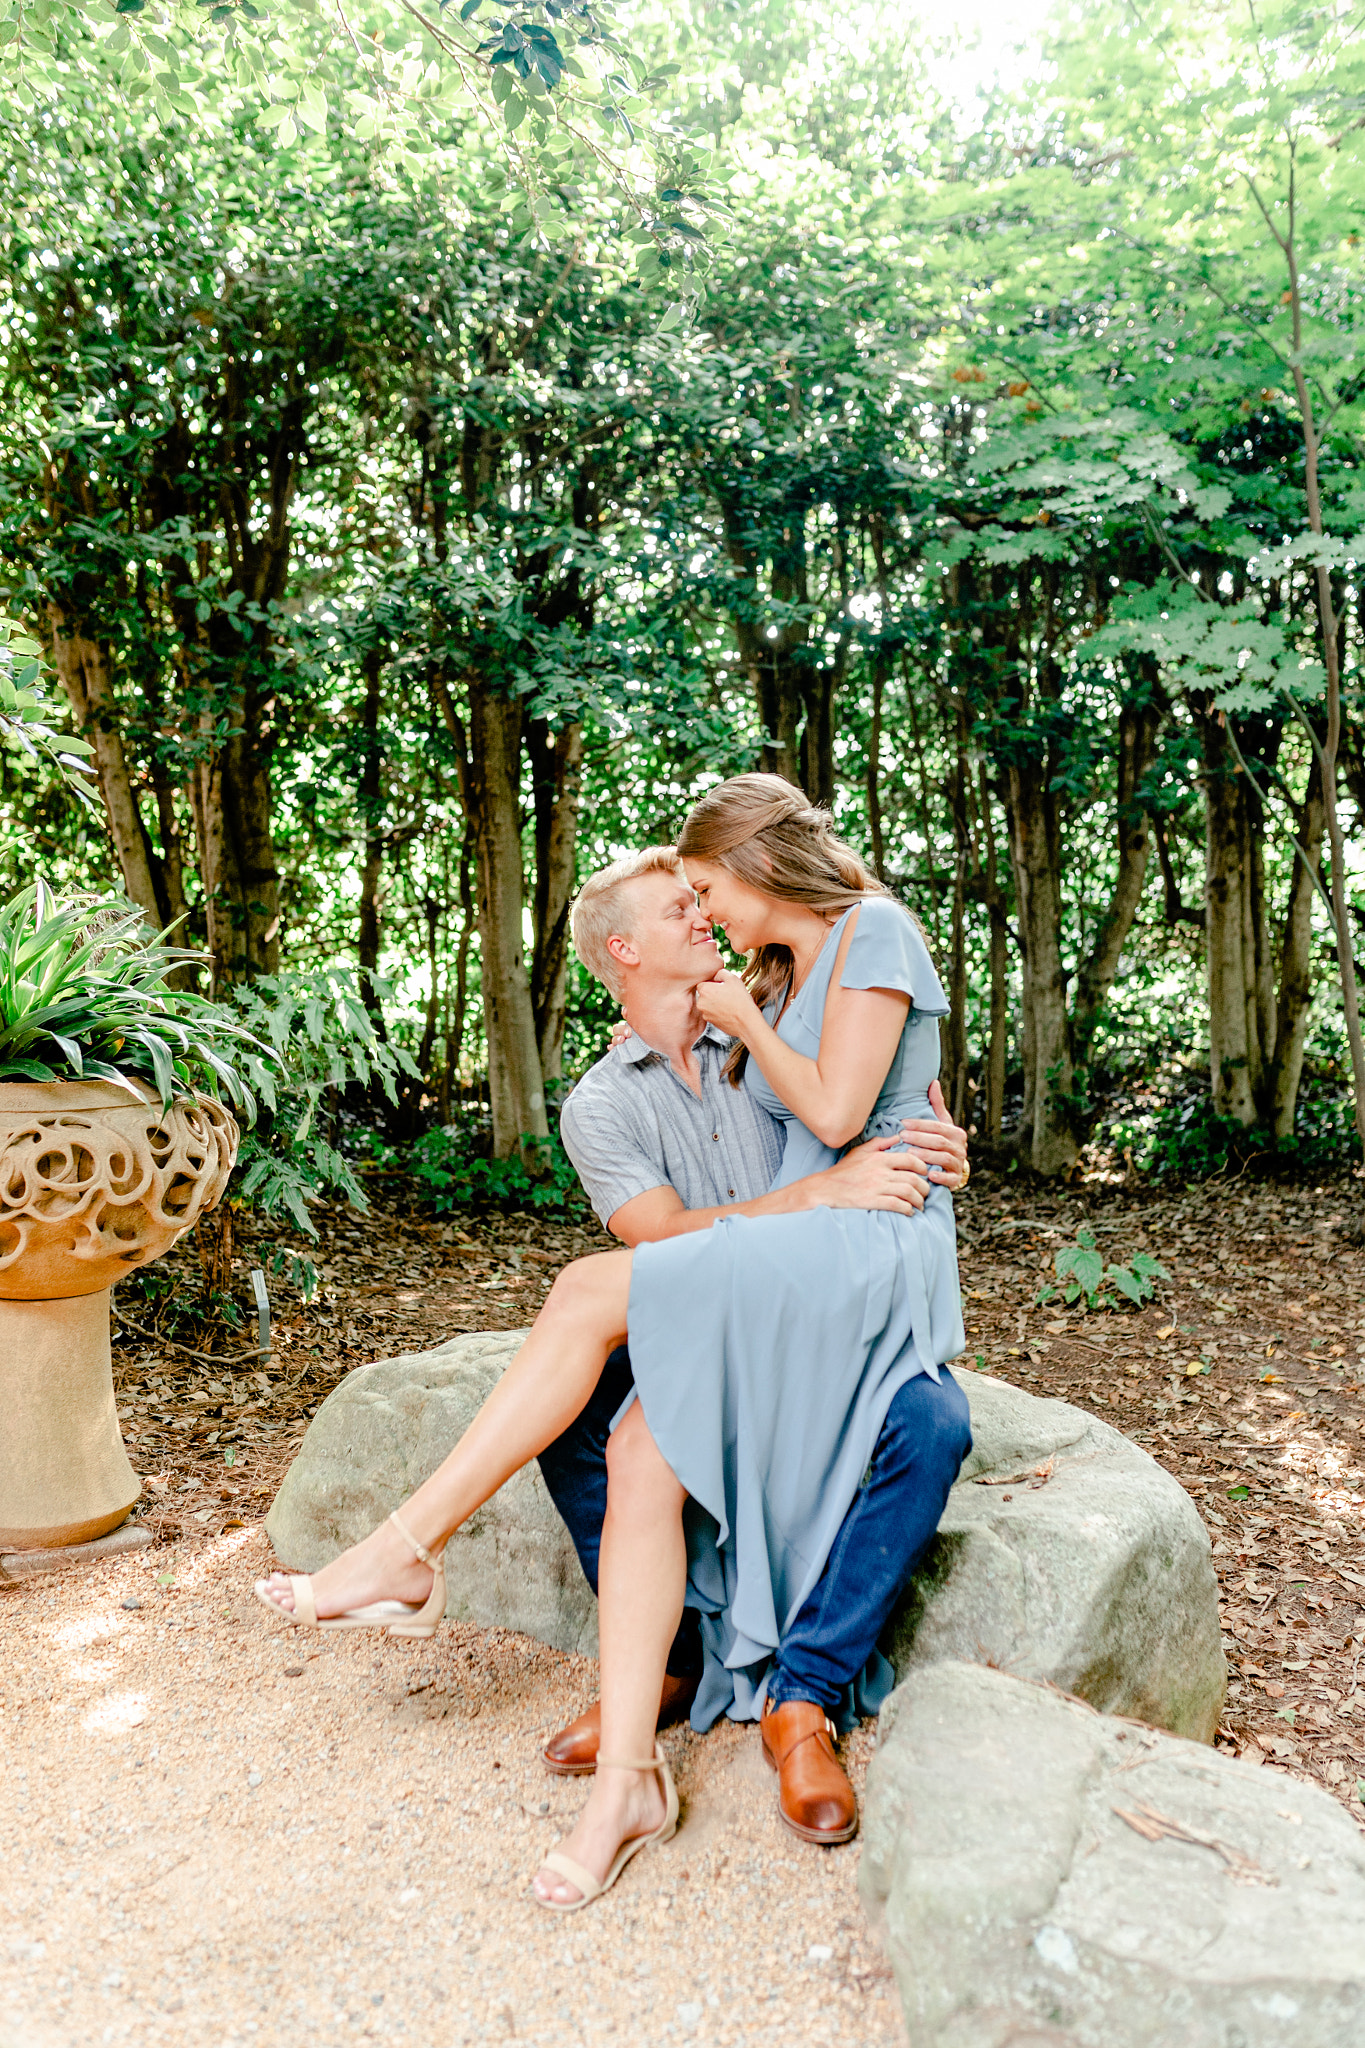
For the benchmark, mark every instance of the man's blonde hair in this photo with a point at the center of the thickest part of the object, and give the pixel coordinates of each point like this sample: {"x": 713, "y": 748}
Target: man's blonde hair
{"x": 601, "y": 910}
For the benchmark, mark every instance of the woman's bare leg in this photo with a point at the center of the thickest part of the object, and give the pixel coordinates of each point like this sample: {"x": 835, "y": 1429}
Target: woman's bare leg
{"x": 641, "y": 1578}
{"x": 542, "y": 1390}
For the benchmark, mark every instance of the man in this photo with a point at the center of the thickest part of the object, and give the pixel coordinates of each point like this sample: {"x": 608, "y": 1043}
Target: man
{"x": 663, "y": 1144}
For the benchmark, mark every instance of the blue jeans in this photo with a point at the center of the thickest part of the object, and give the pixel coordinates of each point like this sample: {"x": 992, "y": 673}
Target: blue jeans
{"x": 884, "y": 1535}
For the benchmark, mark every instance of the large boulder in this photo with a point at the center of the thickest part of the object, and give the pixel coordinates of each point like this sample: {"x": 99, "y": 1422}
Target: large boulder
{"x": 383, "y": 1431}
{"x": 1048, "y": 1875}
{"x": 1065, "y": 1553}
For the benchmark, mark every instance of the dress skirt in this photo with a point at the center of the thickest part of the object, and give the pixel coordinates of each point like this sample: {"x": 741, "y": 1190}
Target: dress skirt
{"x": 766, "y": 1352}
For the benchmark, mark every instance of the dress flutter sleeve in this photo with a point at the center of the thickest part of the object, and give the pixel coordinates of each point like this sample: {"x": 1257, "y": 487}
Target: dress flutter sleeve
{"x": 887, "y": 951}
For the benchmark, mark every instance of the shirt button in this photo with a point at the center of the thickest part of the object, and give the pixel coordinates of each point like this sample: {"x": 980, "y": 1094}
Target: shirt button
{"x": 732, "y": 1194}
{"x": 716, "y": 1136}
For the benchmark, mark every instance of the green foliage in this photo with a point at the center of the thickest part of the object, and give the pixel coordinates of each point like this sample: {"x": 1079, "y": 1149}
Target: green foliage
{"x": 323, "y": 1043}
{"x": 29, "y": 718}
{"x": 1082, "y": 1275}
{"x": 1184, "y": 1137}
{"x": 453, "y": 1173}
{"x": 993, "y": 425}
{"x": 85, "y": 995}
{"x": 553, "y": 91}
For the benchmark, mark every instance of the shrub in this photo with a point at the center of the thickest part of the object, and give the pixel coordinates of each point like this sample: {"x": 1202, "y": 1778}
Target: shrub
{"x": 452, "y": 1171}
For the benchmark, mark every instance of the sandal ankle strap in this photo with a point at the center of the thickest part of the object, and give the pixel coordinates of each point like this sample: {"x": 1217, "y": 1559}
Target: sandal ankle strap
{"x": 419, "y": 1550}
{"x": 630, "y": 1763}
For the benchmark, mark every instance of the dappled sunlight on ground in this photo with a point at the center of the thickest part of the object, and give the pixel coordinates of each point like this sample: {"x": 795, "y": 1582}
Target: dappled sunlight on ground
{"x": 238, "y": 1834}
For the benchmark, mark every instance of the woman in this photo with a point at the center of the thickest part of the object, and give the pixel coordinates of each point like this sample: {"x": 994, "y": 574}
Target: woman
{"x": 766, "y": 1351}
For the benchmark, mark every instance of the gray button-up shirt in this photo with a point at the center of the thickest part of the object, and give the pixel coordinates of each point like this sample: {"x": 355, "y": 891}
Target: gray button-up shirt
{"x": 631, "y": 1125}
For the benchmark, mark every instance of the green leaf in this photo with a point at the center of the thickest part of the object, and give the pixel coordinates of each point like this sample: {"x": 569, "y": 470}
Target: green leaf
{"x": 1147, "y": 1267}
{"x": 71, "y": 1052}
{"x": 1082, "y": 1261}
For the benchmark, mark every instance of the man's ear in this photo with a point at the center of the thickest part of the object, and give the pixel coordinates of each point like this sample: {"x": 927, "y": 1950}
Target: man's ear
{"x": 622, "y": 950}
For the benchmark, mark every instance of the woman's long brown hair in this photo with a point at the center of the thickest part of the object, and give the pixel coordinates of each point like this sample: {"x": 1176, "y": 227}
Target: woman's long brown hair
{"x": 769, "y": 834}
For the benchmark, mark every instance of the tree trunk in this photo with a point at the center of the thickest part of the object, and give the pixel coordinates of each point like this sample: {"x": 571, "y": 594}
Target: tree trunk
{"x": 997, "y": 1054}
{"x": 231, "y": 794}
{"x": 431, "y": 910}
{"x": 1234, "y": 914}
{"x": 370, "y": 792}
{"x": 955, "y": 1038}
{"x": 455, "y": 1036}
{"x": 955, "y": 1035}
{"x": 1327, "y": 749}
{"x": 1139, "y": 724}
{"x": 557, "y": 776}
{"x": 84, "y": 671}
{"x": 516, "y": 1088}
{"x": 875, "y": 829}
{"x": 775, "y": 658}
{"x": 1049, "y": 1075}
{"x": 996, "y": 1061}
{"x": 1296, "y": 982}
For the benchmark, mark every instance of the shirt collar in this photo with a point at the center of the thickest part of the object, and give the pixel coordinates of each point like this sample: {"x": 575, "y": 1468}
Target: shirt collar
{"x": 635, "y": 1051}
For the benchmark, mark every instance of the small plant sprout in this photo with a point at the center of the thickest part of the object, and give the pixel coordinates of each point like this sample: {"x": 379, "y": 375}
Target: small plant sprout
{"x": 1082, "y": 1275}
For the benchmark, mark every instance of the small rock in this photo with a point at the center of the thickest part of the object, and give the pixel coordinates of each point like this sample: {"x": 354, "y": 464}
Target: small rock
{"x": 689, "y": 2014}
{"x": 818, "y": 1953}
{"x": 253, "y": 1778}
{"x": 132, "y": 1601}
{"x": 113, "y": 1981}
{"x": 293, "y": 1671}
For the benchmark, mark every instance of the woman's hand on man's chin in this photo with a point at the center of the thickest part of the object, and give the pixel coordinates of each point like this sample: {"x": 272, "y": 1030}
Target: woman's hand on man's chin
{"x": 726, "y": 1001}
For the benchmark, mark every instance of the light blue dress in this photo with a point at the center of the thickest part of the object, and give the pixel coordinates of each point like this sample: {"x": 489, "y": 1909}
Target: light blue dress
{"x": 767, "y": 1350}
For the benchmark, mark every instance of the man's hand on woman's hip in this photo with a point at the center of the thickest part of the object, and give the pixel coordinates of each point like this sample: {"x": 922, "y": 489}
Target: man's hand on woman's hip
{"x": 880, "y": 1174}
{"x": 939, "y": 1143}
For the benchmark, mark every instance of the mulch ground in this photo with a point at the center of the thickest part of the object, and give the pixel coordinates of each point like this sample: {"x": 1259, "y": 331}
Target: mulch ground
{"x": 1245, "y": 1378}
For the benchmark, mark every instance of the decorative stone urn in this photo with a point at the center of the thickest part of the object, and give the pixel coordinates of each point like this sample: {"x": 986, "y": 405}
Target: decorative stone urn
{"x": 92, "y": 1185}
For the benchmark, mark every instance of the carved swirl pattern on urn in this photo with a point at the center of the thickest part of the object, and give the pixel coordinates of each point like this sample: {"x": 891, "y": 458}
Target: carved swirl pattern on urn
{"x": 87, "y": 1194}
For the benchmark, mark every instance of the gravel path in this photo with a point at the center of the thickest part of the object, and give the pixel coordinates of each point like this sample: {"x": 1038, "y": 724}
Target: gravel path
{"x": 216, "y": 1833}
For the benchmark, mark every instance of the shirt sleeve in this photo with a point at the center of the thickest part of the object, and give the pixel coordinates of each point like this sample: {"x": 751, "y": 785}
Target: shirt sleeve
{"x": 888, "y": 951}
{"x": 610, "y": 1154}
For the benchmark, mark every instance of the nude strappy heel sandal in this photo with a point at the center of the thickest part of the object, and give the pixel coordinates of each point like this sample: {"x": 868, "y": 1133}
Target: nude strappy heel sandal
{"x": 588, "y": 1886}
{"x": 395, "y": 1617}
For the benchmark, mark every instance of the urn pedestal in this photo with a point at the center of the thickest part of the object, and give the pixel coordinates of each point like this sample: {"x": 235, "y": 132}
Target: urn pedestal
{"x": 93, "y": 1184}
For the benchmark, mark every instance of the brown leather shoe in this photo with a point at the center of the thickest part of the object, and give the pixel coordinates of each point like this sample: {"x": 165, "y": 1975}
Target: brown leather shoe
{"x": 573, "y": 1752}
{"x": 814, "y": 1796}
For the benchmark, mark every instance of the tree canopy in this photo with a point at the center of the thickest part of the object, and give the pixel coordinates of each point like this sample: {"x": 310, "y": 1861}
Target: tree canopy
{"x": 434, "y": 445}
